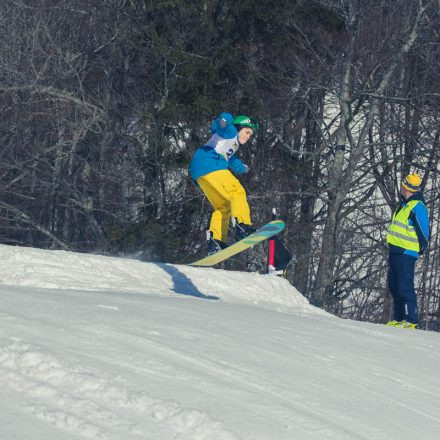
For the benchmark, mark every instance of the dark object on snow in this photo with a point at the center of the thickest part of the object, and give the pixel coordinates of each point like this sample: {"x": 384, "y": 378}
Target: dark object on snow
{"x": 278, "y": 257}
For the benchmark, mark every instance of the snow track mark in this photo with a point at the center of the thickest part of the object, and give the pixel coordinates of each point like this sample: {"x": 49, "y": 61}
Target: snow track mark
{"x": 74, "y": 399}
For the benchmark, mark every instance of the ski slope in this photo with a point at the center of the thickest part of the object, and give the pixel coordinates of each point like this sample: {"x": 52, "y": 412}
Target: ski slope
{"x": 94, "y": 347}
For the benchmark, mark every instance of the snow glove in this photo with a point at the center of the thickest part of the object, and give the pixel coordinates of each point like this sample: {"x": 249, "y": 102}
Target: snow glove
{"x": 223, "y": 126}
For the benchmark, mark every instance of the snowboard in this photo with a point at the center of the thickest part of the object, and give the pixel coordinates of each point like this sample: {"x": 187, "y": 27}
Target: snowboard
{"x": 268, "y": 230}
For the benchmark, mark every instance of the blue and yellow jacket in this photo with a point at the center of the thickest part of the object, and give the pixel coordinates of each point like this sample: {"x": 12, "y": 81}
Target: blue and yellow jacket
{"x": 219, "y": 153}
{"x": 418, "y": 221}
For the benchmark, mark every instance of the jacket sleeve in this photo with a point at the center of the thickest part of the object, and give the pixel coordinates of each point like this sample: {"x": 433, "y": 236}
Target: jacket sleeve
{"x": 236, "y": 165}
{"x": 419, "y": 216}
{"x": 223, "y": 126}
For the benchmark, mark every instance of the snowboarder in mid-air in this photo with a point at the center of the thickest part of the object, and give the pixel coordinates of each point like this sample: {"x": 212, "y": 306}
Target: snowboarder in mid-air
{"x": 210, "y": 169}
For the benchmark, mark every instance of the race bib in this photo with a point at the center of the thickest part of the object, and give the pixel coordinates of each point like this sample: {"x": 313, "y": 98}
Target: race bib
{"x": 225, "y": 147}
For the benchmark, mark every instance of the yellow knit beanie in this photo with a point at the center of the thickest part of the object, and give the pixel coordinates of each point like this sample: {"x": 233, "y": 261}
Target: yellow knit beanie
{"x": 412, "y": 182}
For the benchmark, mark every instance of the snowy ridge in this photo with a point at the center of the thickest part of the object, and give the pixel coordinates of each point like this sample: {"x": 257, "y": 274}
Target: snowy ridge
{"x": 103, "y": 348}
{"x": 68, "y": 270}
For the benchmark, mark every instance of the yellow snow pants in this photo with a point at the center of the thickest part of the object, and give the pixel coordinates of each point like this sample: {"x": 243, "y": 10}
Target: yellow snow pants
{"x": 228, "y": 198}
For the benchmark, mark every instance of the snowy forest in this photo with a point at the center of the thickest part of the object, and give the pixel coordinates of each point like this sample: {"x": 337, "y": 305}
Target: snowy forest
{"x": 103, "y": 103}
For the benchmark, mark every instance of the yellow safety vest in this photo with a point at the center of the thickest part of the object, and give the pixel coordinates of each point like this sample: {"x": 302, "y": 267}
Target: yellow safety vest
{"x": 401, "y": 233}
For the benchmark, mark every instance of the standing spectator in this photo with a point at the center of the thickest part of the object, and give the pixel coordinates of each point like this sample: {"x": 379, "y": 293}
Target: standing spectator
{"x": 407, "y": 238}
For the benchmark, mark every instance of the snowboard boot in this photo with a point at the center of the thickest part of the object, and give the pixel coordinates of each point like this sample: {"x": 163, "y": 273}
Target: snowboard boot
{"x": 242, "y": 230}
{"x": 213, "y": 245}
{"x": 406, "y": 324}
{"x": 401, "y": 324}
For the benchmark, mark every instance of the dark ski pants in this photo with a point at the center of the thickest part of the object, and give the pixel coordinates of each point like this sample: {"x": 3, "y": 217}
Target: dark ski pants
{"x": 401, "y": 284}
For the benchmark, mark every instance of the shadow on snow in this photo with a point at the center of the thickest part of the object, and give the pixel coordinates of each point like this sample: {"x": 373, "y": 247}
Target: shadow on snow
{"x": 182, "y": 284}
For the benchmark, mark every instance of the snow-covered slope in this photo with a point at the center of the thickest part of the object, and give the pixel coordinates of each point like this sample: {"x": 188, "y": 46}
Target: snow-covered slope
{"x": 104, "y": 348}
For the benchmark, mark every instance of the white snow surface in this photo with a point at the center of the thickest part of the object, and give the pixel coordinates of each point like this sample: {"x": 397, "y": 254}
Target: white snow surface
{"x": 94, "y": 347}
